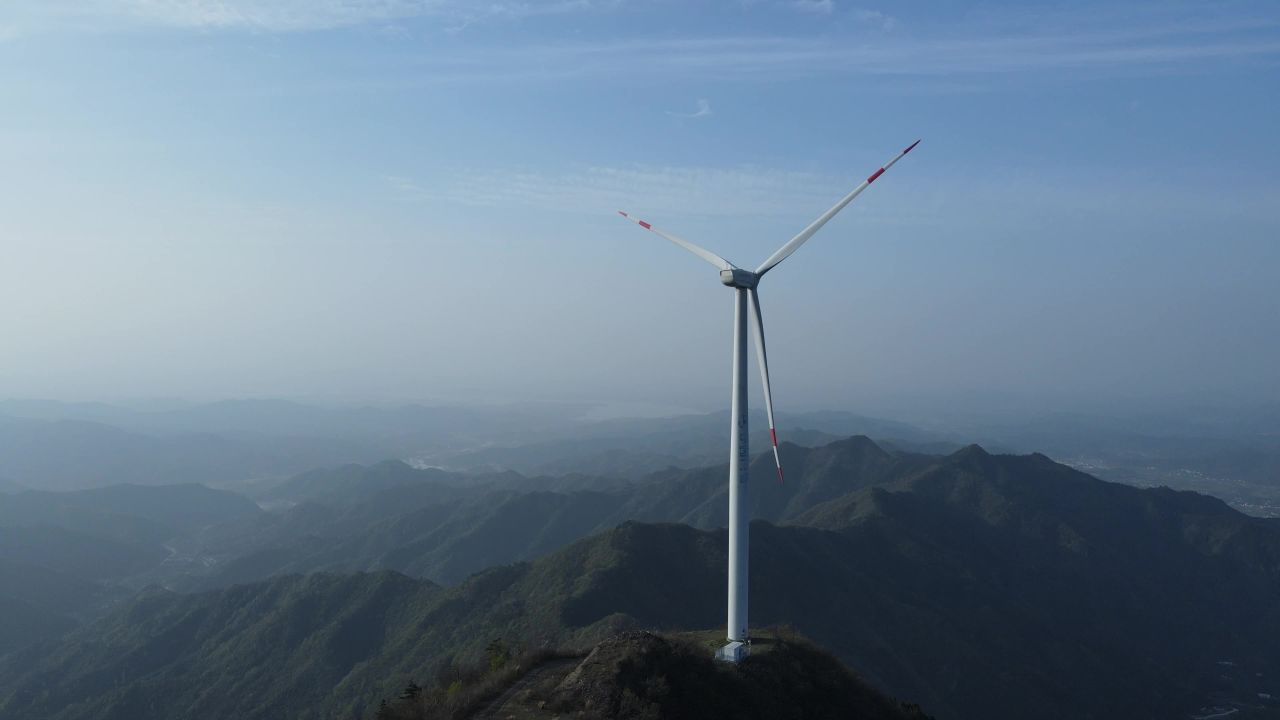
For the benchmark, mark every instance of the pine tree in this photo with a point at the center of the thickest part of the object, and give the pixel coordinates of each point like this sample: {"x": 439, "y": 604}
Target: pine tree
{"x": 498, "y": 654}
{"x": 411, "y": 691}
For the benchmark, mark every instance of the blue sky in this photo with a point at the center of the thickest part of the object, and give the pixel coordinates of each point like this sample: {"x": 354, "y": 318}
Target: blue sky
{"x": 414, "y": 199}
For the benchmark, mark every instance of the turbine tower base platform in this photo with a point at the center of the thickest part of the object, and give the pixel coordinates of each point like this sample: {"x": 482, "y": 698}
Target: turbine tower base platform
{"x": 734, "y": 652}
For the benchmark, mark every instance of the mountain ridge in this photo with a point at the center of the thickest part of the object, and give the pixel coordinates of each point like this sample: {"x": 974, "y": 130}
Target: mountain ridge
{"x": 971, "y": 583}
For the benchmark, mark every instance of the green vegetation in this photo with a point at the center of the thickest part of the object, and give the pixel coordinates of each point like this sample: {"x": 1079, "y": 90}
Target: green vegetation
{"x": 640, "y": 675}
{"x": 65, "y": 556}
{"x": 427, "y": 523}
{"x": 462, "y": 691}
{"x": 977, "y": 585}
{"x": 643, "y": 676}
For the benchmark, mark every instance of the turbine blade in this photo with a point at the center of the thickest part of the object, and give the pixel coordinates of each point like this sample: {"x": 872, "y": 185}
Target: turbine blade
{"x": 762, "y": 359}
{"x": 816, "y": 225}
{"x": 701, "y": 252}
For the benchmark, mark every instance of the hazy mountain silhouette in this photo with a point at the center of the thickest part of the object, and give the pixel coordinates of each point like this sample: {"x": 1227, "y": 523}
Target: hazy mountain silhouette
{"x": 58, "y": 446}
{"x": 64, "y": 557}
{"x": 445, "y": 526}
{"x": 74, "y": 454}
{"x": 977, "y": 585}
{"x": 37, "y": 603}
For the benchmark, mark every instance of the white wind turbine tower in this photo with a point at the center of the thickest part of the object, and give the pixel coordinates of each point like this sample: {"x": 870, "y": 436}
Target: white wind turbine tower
{"x": 744, "y": 283}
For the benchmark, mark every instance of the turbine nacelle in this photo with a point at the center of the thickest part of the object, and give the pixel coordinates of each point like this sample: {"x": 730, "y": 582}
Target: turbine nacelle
{"x": 739, "y": 278}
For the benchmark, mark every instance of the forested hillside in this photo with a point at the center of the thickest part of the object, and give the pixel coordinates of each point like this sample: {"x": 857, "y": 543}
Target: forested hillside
{"x": 977, "y": 585}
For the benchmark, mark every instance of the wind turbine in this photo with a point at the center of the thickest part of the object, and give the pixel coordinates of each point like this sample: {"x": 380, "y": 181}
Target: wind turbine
{"x": 744, "y": 283}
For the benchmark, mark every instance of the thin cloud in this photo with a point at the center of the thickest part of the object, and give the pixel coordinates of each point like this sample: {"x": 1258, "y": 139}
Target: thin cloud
{"x": 1146, "y": 42}
{"x": 669, "y": 192}
{"x": 875, "y": 17}
{"x": 751, "y": 191}
{"x": 465, "y": 17}
{"x": 703, "y": 110}
{"x": 1140, "y": 49}
{"x": 287, "y": 16}
{"x": 828, "y": 7}
{"x": 686, "y": 190}
{"x": 268, "y": 15}
{"x": 817, "y": 7}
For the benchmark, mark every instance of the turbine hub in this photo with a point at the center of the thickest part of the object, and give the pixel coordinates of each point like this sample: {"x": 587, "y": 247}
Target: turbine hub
{"x": 739, "y": 278}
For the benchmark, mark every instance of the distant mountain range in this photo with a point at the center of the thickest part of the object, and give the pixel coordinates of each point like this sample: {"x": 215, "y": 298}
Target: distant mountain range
{"x": 979, "y": 585}
{"x": 76, "y": 454}
{"x": 66, "y": 557}
{"x": 248, "y": 445}
{"x": 445, "y": 526}
{"x": 634, "y": 447}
